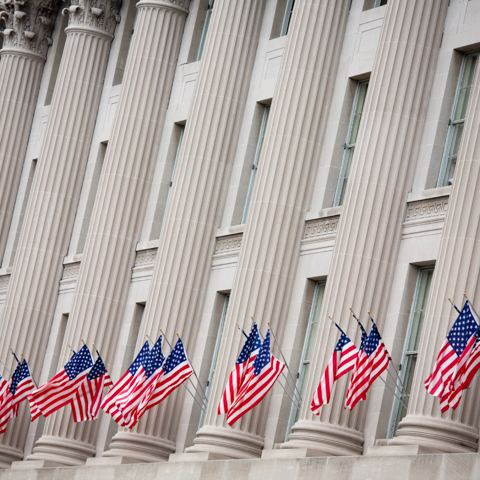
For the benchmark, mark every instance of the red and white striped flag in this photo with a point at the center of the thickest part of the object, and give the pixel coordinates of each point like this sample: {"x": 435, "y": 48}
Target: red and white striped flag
{"x": 341, "y": 362}
{"x": 265, "y": 371}
{"x": 61, "y": 389}
{"x": 125, "y": 383}
{"x": 16, "y": 392}
{"x": 86, "y": 403}
{"x": 245, "y": 360}
{"x": 372, "y": 360}
{"x": 453, "y": 356}
{"x": 175, "y": 370}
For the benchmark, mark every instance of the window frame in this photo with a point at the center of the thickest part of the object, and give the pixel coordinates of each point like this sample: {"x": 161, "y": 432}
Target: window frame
{"x": 216, "y": 351}
{"x": 396, "y": 406}
{"x": 348, "y": 146}
{"x": 258, "y": 151}
{"x": 299, "y": 384}
{"x": 442, "y": 181}
{"x": 208, "y": 17}
{"x": 287, "y": 17}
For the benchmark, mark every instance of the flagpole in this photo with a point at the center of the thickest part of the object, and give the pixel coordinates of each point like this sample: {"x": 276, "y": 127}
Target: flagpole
{"x": 397, "y": 397}
{"x": 31, "y": 376}
{"x": 204, "y": 398}
{"x": 196, "y": 401}
{"x": 398, "y": 379}
{"x": 454, "y": 306}
{"x": 1, "y": 361}
{"x": 286, "y": 391}
{"x": 241, "y": 329}
{"x": 196, "y": 376}
{"x": 286, "y": 364}
{"x": 13, "y": 353}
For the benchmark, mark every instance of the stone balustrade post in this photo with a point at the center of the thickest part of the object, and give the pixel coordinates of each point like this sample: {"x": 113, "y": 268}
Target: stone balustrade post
{"x": 54, "y": 196}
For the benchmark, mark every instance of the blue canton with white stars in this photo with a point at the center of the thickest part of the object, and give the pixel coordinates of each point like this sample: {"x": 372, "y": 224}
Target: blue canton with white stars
{"x": 141, "y": 359}
{"x": 98, "y": 369}
{"x": 363, "y": 342}
{"x": 264, "y": 357}
{"x": 373, "y": 340}
{"x": 342, "y": 341}
{"x": 155, "y": 359}
{"x": 463, "y": 328}
{"x": 79, "y": 363}
{"x": 251, "y": 343}
{"x": 21, "y": 373}
{"x": 176, "y": 357}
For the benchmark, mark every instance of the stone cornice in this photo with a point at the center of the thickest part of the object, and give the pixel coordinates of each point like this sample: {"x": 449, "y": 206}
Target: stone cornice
{"x": 102, "y": 15}
{"x": 27, "y": 24}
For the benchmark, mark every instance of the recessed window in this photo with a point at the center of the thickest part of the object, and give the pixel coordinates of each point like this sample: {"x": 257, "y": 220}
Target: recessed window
{"x": 349, "y": 146}
{"x": 177, "y": 154}
{"x": 258, "y": 151}
{"x": 380, "y": 3}
{"x": 215, "y": 354}
{"x": 457, "y": 120}
{"x": 205, "y": 29}
{"x": 307, "y": 351}
{"x": 412, "y": 342}
{"x": 288, "y": 17}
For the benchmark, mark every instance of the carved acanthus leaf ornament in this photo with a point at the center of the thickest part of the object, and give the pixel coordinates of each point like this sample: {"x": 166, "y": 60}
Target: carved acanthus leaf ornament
{"x": 101, "y": 15}
{"x": 28, "y": 24}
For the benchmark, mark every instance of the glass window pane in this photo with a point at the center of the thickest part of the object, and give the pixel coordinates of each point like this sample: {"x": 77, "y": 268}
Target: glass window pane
{"x": 205, "y": 29}
{"x": 456, "y": 122}
{"x": 258, "y": 151}
{"x": 288, "y": 17}
{"x": 412, "y": 340}
{"x": 310, "y": 341}
{"x": 350, "y": 143}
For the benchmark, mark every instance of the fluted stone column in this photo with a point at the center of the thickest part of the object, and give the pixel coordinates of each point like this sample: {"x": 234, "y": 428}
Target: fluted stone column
{"x": 194, "y": 208}
{"x": 370, "y": 227}
{"x": 50, "y": 213}
{"x": 456, "y": 272}
{"x": 119, "y": 208}
{"x": 26, "y": 33}
{"x": 271, "y": 243}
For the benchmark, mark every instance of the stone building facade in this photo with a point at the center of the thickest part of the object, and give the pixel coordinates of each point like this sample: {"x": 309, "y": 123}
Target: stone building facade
{"x": 187, "y": 165}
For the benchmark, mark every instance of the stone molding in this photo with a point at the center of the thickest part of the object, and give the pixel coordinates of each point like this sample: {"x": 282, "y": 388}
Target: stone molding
{"x": 180, "y": 5}
{"x": 4, "y": 281}
{"x": 321, "y": 227}
{"x": 69, "y": 277}
{"x": 228, "y": 244}
{"x": 426, "y": 211}
{"x": 144, "y": 263}
{"x": 102, "y": 15}
{"x": 27, "y": 24}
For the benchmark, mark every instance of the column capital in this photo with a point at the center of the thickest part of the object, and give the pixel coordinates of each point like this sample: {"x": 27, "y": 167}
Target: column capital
{"x": 27, "y": 24}
{"x": 101, "y": 15}
{"x": 181, "y": 5}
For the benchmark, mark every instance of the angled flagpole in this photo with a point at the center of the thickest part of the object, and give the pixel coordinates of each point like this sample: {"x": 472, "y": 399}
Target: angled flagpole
{"x": 1, "y": 361}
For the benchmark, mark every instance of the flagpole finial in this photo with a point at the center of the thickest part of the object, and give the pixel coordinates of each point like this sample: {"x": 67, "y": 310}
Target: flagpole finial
{"x": 449, "y": 299}
{"x": 351, "y": 309}
{"x": 465, "y": 295}
{"x": 368, "y": 312}
{"x": 161, "y": 331}
{"x": 178, "y": 335}
{"x": 268, "y": 323}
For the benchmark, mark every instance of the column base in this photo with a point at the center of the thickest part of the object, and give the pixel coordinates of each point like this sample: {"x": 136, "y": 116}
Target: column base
{"x": 440, "y": 436}
{"x": 140, "y": 448}
{"x": 325, "y": 440}
{"x": 195, "y": 457}
{"x": 229, "y": 443}
{"x": 397, "y": 450}
{"x": 65, "y": 452}
{"x": 110, "y": 461}
{"x": 8, "y": 455}
{"x": 290, "y": 453}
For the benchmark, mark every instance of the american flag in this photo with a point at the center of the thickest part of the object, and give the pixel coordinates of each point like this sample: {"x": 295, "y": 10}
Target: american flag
{"x": 16, "y": 392}
{"x": 108, "y": 404}
{"x": 175, "y": 370}
{"x": 266, "y": 370}
{"x": 3, "y": 388}
{"x": 61, "y": 389}
{"x": 86, "y": 403}
{"x": 341, "y": 362}
{"x": 237, "y": 376}
{"x": 472, "y": 366}
{"x": 453, "y": 355}
{"x": 372, "y": 361}
{"x": 145, "y": 377}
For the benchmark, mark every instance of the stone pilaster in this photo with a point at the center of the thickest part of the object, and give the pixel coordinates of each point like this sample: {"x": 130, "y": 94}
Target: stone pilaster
{"x": 370, "y": 226}
{"x": 276, "y": 219}
{"x": 109, "y": 255}
{"x": 456, "y": 272}
{"x": 195, "y": 205}
{"x": 50, "y": 212}
{"x": 26, "y": 28}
